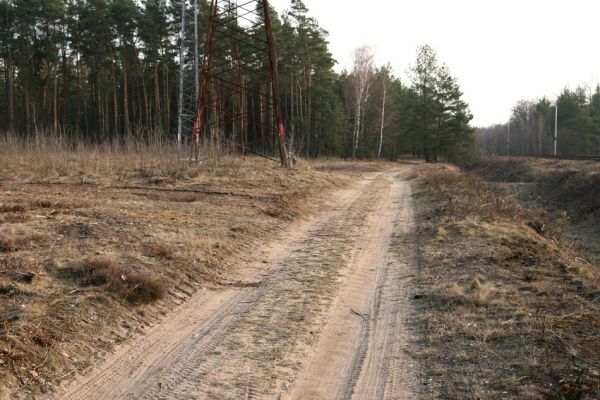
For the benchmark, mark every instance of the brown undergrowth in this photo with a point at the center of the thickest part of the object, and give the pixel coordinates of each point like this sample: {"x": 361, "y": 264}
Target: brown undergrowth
{"x": 98, "y": 244}
{"x": 564, "y": 194}
{"x": 509, "y": 310}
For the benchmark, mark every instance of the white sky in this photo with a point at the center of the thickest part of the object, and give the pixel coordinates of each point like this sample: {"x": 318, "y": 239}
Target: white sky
{"x": 501, "y": 51}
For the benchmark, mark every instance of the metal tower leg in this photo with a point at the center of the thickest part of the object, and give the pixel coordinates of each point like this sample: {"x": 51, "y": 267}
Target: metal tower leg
{"x": 240, "y": 88}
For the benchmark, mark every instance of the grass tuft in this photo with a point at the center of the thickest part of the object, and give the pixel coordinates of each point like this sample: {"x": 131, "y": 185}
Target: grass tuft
{"x": 7, "y": 245}
{"x": 135, "y": 287}
{"x": 158, "y": 250}
{"x": 41, "y": 204}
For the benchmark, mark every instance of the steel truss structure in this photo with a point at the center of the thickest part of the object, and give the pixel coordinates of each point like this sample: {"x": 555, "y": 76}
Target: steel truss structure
{"x": 189, "y": 70}
{"x": 238, "y": 92}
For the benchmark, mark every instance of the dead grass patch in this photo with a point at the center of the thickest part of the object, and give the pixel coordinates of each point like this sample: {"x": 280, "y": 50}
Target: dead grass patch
{"x": 42, "y": 204}
{"x": 158, "y": 250}
{"x": 15, "y": 218}
{"x": 104, "y": 271}
{"x": 7, "y": 245}
{"x": 476, "y": 293}
{"x": 185, "y": 197}
{"x": 14, "y": 208}
{"x": 11, "y": 244}
{"x": 564, "y": 195}
{"x": 509, "y": 311}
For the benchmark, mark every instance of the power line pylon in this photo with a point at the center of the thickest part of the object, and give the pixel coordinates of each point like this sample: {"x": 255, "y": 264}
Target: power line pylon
{"x": 238, "y": 93}
{"x": 189, "y": 69}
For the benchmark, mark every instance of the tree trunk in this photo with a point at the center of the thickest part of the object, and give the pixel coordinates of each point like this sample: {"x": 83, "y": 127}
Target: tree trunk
{"x": 292, "y": 119}
{"x": 157, "y": 97}
{"x": 10, "y": 88}
{"x": 382, "y": 121}
{"x": 115, "y": 102}
{"x": 27, "y": 110}
{"x": 357, "y": 122}
{"x": 540, "y": 130}
{"x": 146, "y": 118}
{"x": 126, "y": 127}
{"x": 167, "y": 96}
{"x": 308, "y": 121}
{"x": 55, "y": 105}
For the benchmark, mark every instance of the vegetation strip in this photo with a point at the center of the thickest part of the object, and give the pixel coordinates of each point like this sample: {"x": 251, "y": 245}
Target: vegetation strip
{"x": 508, "y": 310}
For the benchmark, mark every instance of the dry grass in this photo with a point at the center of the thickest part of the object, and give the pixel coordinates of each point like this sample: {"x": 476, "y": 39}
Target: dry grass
{"x": 15, "y": 208}
{"x": 14, "y": 218}
{"x": 562, "y": 194}
{"x": 509, "y": 311}
{"x": 185, "y": 197}
{"x": 52, "y": 158}
{"x": 158, "y": 250}
{"x": 105, "y": 272}
{"x": 11, "y": 244}
{"x": 169, "y": 227}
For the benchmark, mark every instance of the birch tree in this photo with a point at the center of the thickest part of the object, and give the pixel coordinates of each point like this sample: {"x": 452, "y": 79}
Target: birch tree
{"x": 385, "y": 79}
{"x": 360, "y": 79}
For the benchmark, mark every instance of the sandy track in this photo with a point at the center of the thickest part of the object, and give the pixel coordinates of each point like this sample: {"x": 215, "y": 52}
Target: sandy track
{"x": 320, "y": 313}
{"x": 361, "y": 352}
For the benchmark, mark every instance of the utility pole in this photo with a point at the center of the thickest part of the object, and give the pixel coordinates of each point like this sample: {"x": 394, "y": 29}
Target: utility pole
{"x": 556, "y": 130}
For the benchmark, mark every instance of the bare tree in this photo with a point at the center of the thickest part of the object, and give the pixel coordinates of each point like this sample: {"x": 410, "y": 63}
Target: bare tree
{"x": 360, "y": 79}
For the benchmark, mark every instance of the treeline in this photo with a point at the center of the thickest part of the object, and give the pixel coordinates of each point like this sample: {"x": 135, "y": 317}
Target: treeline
{"x": 533, "y": 123}
{"x": 94, "y": 69}
{"x": 107, "y": 70}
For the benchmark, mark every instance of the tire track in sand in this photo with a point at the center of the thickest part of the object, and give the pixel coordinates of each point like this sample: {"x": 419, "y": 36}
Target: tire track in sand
{"x": 361, "y": 351}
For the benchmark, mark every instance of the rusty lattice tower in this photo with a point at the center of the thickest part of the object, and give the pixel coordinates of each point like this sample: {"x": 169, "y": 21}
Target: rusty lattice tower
{"x": 238, "y": 94}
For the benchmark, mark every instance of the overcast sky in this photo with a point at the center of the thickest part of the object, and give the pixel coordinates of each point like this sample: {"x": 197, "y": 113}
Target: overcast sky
{"x": 500, "y": 51}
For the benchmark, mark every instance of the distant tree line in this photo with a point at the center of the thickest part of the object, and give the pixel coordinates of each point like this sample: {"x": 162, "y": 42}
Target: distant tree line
{"x": 107, "y": 70}
{"x": 532, "y": 126}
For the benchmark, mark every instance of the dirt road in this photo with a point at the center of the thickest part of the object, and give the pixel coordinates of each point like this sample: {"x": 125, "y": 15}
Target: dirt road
{"x": 320, "y": 313}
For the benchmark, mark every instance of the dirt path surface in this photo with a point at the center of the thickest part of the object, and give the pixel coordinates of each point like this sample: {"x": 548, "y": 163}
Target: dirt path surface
{"x": 361, "y": 351}
{"x": 319, "y": 313}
